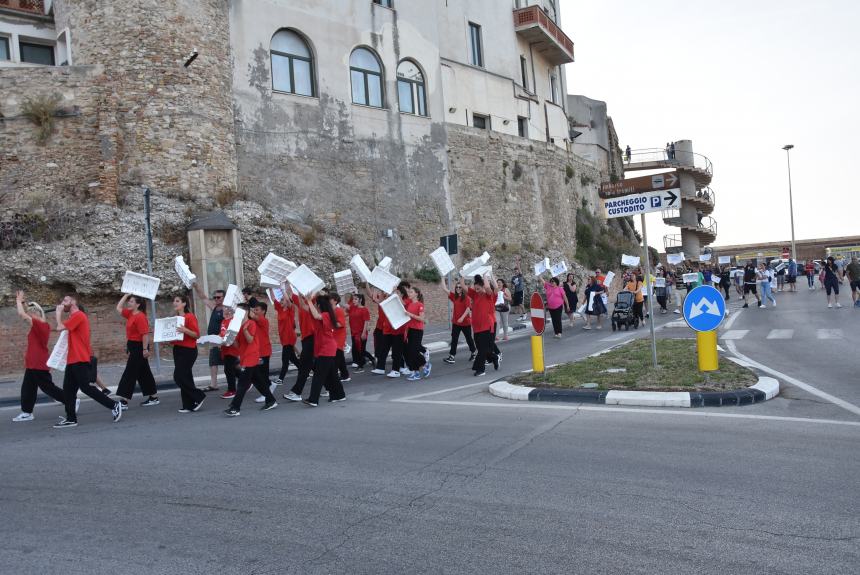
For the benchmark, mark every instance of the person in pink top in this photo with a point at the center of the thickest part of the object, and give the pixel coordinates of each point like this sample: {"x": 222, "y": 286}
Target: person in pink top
{"x": 556, "y": 301}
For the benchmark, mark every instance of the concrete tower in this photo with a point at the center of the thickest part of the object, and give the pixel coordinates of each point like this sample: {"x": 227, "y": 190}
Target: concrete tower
{"x": 171, "y": 124}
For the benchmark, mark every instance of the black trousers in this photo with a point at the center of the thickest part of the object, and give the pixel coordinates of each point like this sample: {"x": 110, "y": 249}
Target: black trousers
{"x": 398, "y": 351}
{"x": 725, "y": 288}
{"x": 456, "y": 330}
{"x": 38, "y": 379}
{"x": 231, "y": 371}
{"x": 661, "y": 299}
{"x": 381, "y": 347}
{"x": 265, "y": 368}
{"x": 78, "y": 377}
{"x": 288, "y": 354}
{"x": 360, "y": 356}
{"x": 377, "y": 343}
{"x": 493, "y": 347}
{"x": 637, "y": 310}
{"x": 306, "y": 363}
{"x": 555, "y": 315}
{"x": 136, "y": 371}
{"x": 414, "y": 354}
{"x": 484, "y": 343}
{"x": 325, "y": 374}
{"x": 394, "y": 343}
{"x": 248, "y": 376}
{"x": 183, "y": 364}
{"x": 340, "y": 358}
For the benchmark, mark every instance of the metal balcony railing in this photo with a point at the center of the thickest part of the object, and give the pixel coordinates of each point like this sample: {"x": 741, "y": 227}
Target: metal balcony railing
{"x": 661, "y": 155}
{"x": 537, "y": 27}
{"x": 672, "y": 243}
{"x": 707, "y": 195}
{"x": 708, "y": 225}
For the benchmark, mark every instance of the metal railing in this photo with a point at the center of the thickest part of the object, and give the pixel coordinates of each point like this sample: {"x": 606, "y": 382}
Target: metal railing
{"x": 671, "y": 214}
{"x": 707, "y": 195}
{"x": 662, "y": 155}
{"x": 672, "y": 241}
{"x": 708, "y": 224}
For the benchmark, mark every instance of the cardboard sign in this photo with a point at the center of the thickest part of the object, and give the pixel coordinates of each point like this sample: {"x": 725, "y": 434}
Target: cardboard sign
{"x": 139, "y": 284}
{"x": 383, "y": 280}
{"x": 483, "y": 271}
{"x": 675, "y": 259}
{"x": 542, "y": 266}
{"x": 690, "y": 278}
{"x": 60, "y": 352}
{"x": 267, "y": 282}
{"x": 705, "y": 258}
{"x": 343, "y": 283}
{"x": 276, "y": 268}
{"x": 629, "y": 260}
{"x": 165, "y": 329}
{"x": 724, "y": 260}
{"x": 394, "y": 311}
{"x": 442, "y": 261}
{"x": 234, "y": 326}
{"x": 779, "y": 268}
{"x": 559, "y": 269}
{"x": 305, "y": 281}
{"x": 608, "y": 278}
{"x": 184, "y": 272}
{"x": 385, "y": 263}
{"x": 471, "y": 268}
{"x": 233, "y": 296}
{"x": 360, "y": 268}
{"x": 660, "y": 282}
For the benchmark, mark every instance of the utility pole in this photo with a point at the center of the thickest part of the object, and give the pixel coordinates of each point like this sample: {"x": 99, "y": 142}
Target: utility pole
{"x": 787, "y": 149}
{"x": 146, "y": 208}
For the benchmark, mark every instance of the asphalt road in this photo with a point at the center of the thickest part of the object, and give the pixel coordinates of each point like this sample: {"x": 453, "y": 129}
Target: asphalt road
{"x": 438, "y": 476}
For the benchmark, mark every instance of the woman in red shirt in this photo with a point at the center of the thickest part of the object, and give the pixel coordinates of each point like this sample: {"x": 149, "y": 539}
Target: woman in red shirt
{"x": 229, "y": 356}
{"x": 248, "y": 342}
{"x": 286, "y": 313}
{"x": 184, "y": 356}
{"x": 340, "y": 336}
{"x": 36, "y": 372}
{"x": 415, "y": 360}
{"x": 325, "y": 350}
{"x": 359, "y": 322}
{"x": 483, "y": 294}
{"x": 461, "y": 321}
{"x": 133, "y": 309}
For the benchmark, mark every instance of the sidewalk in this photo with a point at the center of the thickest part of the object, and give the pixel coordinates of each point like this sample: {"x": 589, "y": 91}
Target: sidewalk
{"x": 436, "y": 339}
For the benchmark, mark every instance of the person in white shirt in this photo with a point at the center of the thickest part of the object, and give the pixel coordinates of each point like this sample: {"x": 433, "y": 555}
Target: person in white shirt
{"x": 765, "y": 277}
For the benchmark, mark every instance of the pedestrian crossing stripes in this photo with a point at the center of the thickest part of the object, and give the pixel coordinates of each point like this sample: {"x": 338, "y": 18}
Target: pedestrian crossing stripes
{"x": 780, "y": 334}
{"x": 732, "y": 334}
{"x": 829, "y": 334}
{"x": 735, "y": 334}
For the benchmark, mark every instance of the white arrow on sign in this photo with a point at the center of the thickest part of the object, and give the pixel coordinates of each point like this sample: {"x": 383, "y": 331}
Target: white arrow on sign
{"x": 659, "y": 181}
{"x": 704, "y": 306}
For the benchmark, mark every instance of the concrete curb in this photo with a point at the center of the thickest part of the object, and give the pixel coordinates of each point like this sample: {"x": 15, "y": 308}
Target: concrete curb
{"x": 766, "y": 388}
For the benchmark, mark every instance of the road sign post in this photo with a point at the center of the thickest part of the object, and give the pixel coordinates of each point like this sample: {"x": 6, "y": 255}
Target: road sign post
{"x": 538, "y": 315}
{"x": 450, "y": 245}
{"x": 704, "y": 311}
{"x": 647, "y": 259}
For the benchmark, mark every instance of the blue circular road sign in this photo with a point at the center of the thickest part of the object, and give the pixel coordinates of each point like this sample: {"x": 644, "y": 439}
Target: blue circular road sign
{"x": 704, "y": 308}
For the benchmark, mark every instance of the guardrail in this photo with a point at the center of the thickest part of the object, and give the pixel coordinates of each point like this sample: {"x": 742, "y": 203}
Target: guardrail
{"x": 663, "y": 155}
{"x": 672, "y": 241}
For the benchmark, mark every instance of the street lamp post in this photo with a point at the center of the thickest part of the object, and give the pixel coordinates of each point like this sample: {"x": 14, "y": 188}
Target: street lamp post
{"x": 787, "y": 149}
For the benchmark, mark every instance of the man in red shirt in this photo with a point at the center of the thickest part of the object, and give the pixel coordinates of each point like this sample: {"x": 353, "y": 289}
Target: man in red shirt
{"x": 307, "y": 325}
{"x": 78, "y": 368}
{"x": 265, "y": 345}
{"x": 483, "y": 296}
{"x": 249, "y": 359}
{"x": 359, "y": 320}
{"x": 286, "y": 313}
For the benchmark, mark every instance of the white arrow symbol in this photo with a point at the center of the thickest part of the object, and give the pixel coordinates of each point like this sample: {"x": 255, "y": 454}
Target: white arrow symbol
{"x": 672, "y": 178}
{"x": 704, "y": 306}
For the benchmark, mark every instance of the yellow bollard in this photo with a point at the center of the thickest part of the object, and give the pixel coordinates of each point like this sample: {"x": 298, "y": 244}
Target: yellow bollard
{"x": 706, "y": 343}
{"x": 537, "y": 354}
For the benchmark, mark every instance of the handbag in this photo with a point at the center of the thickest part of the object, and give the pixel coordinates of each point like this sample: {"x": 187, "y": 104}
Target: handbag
{"x": 503, "y": 308}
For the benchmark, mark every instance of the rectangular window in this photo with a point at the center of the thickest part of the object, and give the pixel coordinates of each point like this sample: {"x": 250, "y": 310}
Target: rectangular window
{"x": 37, "y": 53}
{"x": 422, "y": 101}
{"x": 404, "y": 92}
{"x": 476, "y": 47}
{"x": 303, "y": 77}
{"x": 553, "y": 89}
{"x": 523, "y": 127}
{"x": 480, "y": 121}
{"x": 524, "y": 72}
{"x": 374, "y": 90}
{"x": 386, "y": 3}
{"x": 358, "y": 88}
{"x": 4, "y": 49}
{"x": 281, "y": 73}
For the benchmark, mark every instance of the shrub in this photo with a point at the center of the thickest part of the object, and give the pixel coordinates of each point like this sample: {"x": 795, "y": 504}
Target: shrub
{"x": 428, "y": 274}
{"x": 309, "y": 237}
{"x": 568, "y": 173}
{"x": 41, "y": 111}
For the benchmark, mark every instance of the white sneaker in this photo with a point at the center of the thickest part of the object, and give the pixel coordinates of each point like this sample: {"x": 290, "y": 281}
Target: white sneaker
{"x": 353, "y": 365}
{"x": 830, "y": 305}
{"x": 77, "y": 404}
{"x": 677, "y": 311}
{"x": 260, "y": 399}
{"x": 762, "y": 306}
{"x": 838, "y": 304}
{"x": 378, "y": 371}
{"x": 292, "y": 396}
{"x": 405, "y": 371}
{"x": 23, "y": 416}
{"x": 393, "y": 374}
{"x": 427, "y": 355}
{"x": 324, "y": 393}
{"x": 774, "y": 304}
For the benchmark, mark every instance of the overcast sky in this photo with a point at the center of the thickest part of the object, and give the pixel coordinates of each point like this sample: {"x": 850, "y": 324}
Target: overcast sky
{"x": 740, "y": 79}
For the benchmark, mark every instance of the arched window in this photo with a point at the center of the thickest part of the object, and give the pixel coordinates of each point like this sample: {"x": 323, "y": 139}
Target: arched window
{"x": 366, "y": 75}
{"x": 411, "y": 89}
{"x": 292, "y": 64}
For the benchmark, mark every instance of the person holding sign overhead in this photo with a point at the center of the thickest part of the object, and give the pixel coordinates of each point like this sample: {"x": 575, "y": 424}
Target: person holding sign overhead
{"x": 248, "y": 342}
{"x": 184, "y": 356}
{"x": 137, "y": 370}
{"x": 325, "y": 351}
{"x": 483, "y": 296}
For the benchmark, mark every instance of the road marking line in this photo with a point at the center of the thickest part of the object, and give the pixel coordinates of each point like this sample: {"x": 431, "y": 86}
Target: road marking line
{"x": 735, "y": 334}
{"x": 731, "y": 321}
{"x": 780, "y": 334}
{"x": 627, "y": 411}
{"x": 615, "y": 337}
{"x": 829, "y": 334}
{"x": 459, "y": 387}
{"x": 796, "y": 382}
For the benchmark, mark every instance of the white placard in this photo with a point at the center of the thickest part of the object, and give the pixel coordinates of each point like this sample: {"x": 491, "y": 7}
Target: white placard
{"x": 629, "y": 260}
{"x": 394, "y": 311}
{"x": 690, "y": 278}
{"x": 385, "y": 263}
{"x": 705, "y": 258}
{"x": 234, "y": 326}
{"x": 660, "y": 282}
{"x": 471, "y": 268}
{"x": 483, "y": 271}
{"x": 542, "y": 266}
{"x": 305, "y": 281}
{"x": 165, "y": 329}
{"x": 559, "y": 269}
{"x": 360, "y": 268}
{"x": 184, "y": 272}
{"x": 442, "y": 261}
{"x": 343, "y": 283}
{"x": 268, "y": 282}
{"x": 233, "y": 296}
{"x": 139, "y": 284}
{"x": 383, "y": 280}
{"x": 213, "y": 339}
{"x": 60, "y": 352}
{"x": 675, "y": 259}
{"x": 779, "y": 268}
{"x": 724, "y": 260}
{"x": 608, "y": 278}
{"x": 276, "y": 267}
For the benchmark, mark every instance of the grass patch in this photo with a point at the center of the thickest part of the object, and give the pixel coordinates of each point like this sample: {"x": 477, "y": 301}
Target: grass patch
{"x": 678, "y": 370}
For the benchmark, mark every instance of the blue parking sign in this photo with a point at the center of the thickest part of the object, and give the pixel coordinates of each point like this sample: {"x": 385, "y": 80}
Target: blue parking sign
{"x": 704, "y": 308}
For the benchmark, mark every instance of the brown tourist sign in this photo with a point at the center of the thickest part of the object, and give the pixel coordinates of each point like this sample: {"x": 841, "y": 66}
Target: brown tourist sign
{"x": 655, "y": 182}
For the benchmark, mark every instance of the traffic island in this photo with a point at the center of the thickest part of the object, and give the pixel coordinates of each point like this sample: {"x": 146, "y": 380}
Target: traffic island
{"x": 625, "y": 376}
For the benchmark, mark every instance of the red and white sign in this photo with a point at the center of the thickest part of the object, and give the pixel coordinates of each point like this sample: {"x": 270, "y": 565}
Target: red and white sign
{"x": 537, "y": 313}
{"x": 785, "y": 253}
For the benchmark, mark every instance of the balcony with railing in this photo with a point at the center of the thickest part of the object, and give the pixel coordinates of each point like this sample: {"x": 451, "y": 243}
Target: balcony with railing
{"x": 28, "y": 6}
{"x": 533, "y": 24}
{"x": 697, "y": 165}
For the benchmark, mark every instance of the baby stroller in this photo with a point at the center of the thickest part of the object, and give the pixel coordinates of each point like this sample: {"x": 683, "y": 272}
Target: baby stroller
{"x": 622, "y": 312}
